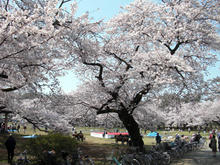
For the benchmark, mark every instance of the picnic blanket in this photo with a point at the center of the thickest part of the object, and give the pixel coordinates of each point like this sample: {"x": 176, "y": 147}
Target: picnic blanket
{"x": 152, "y": 134}
{"x": 30, "y": 136}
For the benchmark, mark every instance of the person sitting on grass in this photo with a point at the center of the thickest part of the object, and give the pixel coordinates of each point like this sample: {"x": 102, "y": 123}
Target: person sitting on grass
{"x": 75, "y": 134}
{"x": 177, "y": 140}
{"x": 197, "y": 137}
{"x": 24, "y": 128}
{"x": 80, "y": 136}
{"x": 18, "y": 128}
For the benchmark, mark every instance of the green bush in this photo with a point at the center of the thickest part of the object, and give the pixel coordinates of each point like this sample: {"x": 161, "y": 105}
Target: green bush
{"x": 38, "y": 147}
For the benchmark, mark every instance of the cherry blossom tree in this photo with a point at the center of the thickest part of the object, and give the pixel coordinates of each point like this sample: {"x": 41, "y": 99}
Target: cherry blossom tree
{"x": 148, "y": 116}
{"x": 30, "y": 57}
{"x": 194, "y": 109}
{"x": 195, "y": 114}
{"x": 145, "y": 51}
{"x": 42, "y": 111}
{"x": 30, "y": 31}
{"x": 26, "y": 27}
{"x": 188, "y": 114}
{"x": 212, "y": 112}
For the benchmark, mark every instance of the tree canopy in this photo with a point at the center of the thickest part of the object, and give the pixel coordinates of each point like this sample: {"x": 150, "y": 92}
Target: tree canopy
{"x": 127, "y": 63}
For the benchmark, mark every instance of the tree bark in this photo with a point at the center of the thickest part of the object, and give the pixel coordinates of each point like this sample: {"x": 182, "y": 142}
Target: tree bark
{"x": 132, "y": 128}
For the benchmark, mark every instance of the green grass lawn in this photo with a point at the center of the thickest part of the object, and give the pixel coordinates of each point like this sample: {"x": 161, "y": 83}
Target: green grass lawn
{"x": 87, "y": 131}
{"x": 3, "y": 152}
{"x": 96, "y": 147}
{"x": 19, "y": 142}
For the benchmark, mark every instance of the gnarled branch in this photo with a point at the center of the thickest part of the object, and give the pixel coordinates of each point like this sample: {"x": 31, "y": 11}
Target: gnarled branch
{"x": 6, "y": 6}
{"x": 172, "y": 51}
{"x": 99, "y": 77}
{"x": 120, "y": 59}
{"x": 136, "y": 100}
{"x": 34, "y": 124}
{"x": 11, "y": 88}
{"x": 107, "y": 110}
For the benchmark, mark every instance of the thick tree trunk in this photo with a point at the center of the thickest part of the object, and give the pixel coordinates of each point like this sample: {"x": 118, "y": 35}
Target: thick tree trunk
{"x": 132, "y": 128}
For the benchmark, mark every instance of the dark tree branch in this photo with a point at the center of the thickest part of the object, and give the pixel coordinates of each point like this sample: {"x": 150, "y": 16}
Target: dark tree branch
{"x": 34, "y": 124}
{"x": 11, "y": 88}
{"x": 183, "y": 78}
{"x": 176, "y": 69}
{"x": 172, "y": 51}
{"x": 142, "y": 74}
{"x": 179, "y": 73}
{"x": 114, "y": 94}
{"x": 107, "y": 110}
{"x": 56, "y": 23}
{"x": 3, "y": 75}
{"x": 24, "y": 49}
{"x": 30, "y": 65}
{"x": 63, "y": 1}
{"x": 2, "y": 107}
{"x": 99, "y": 77}
{"x": 100, "y": 110}
{"x": 3, "y": 41}
{"x": 136, "y": 100}
{"x": 137, "y": 48}
{"x": 217, "y": 122}
{"x": 12, "y": 54}
{"x": 106, "y": 104}
{"x": 6, "y": 6}
{"x": 121, "y": 60}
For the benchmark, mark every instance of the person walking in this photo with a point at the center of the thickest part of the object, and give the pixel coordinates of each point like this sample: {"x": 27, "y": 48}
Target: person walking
{"x": 189, "y": 129}
{"x": 211, "y": 134}
{"x": 10, "y": 145}
{"x": 158, "y": 138}
{"x": 218, "y": 137}
{"x": 34, "y": 128}
{"x": 213, "y": 145}
{"x": 104, "y": 132}
{"x": 18, "y": 128}
{"x": 24, "y": 128}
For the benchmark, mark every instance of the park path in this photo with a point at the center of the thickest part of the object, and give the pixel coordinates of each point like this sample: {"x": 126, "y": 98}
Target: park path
{"x": 202, "y": 157}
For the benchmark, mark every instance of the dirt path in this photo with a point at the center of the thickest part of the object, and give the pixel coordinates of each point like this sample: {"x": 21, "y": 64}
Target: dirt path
{"x": 203, "y": 157}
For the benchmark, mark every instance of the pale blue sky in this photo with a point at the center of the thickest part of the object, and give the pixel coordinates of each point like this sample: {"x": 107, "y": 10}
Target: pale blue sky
{"x": 101, "y": 9}
{"x": 106, "y": 9}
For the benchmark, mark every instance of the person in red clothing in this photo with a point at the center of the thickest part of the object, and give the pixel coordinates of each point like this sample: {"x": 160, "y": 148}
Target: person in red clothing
{"x": 211, "y": 134}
